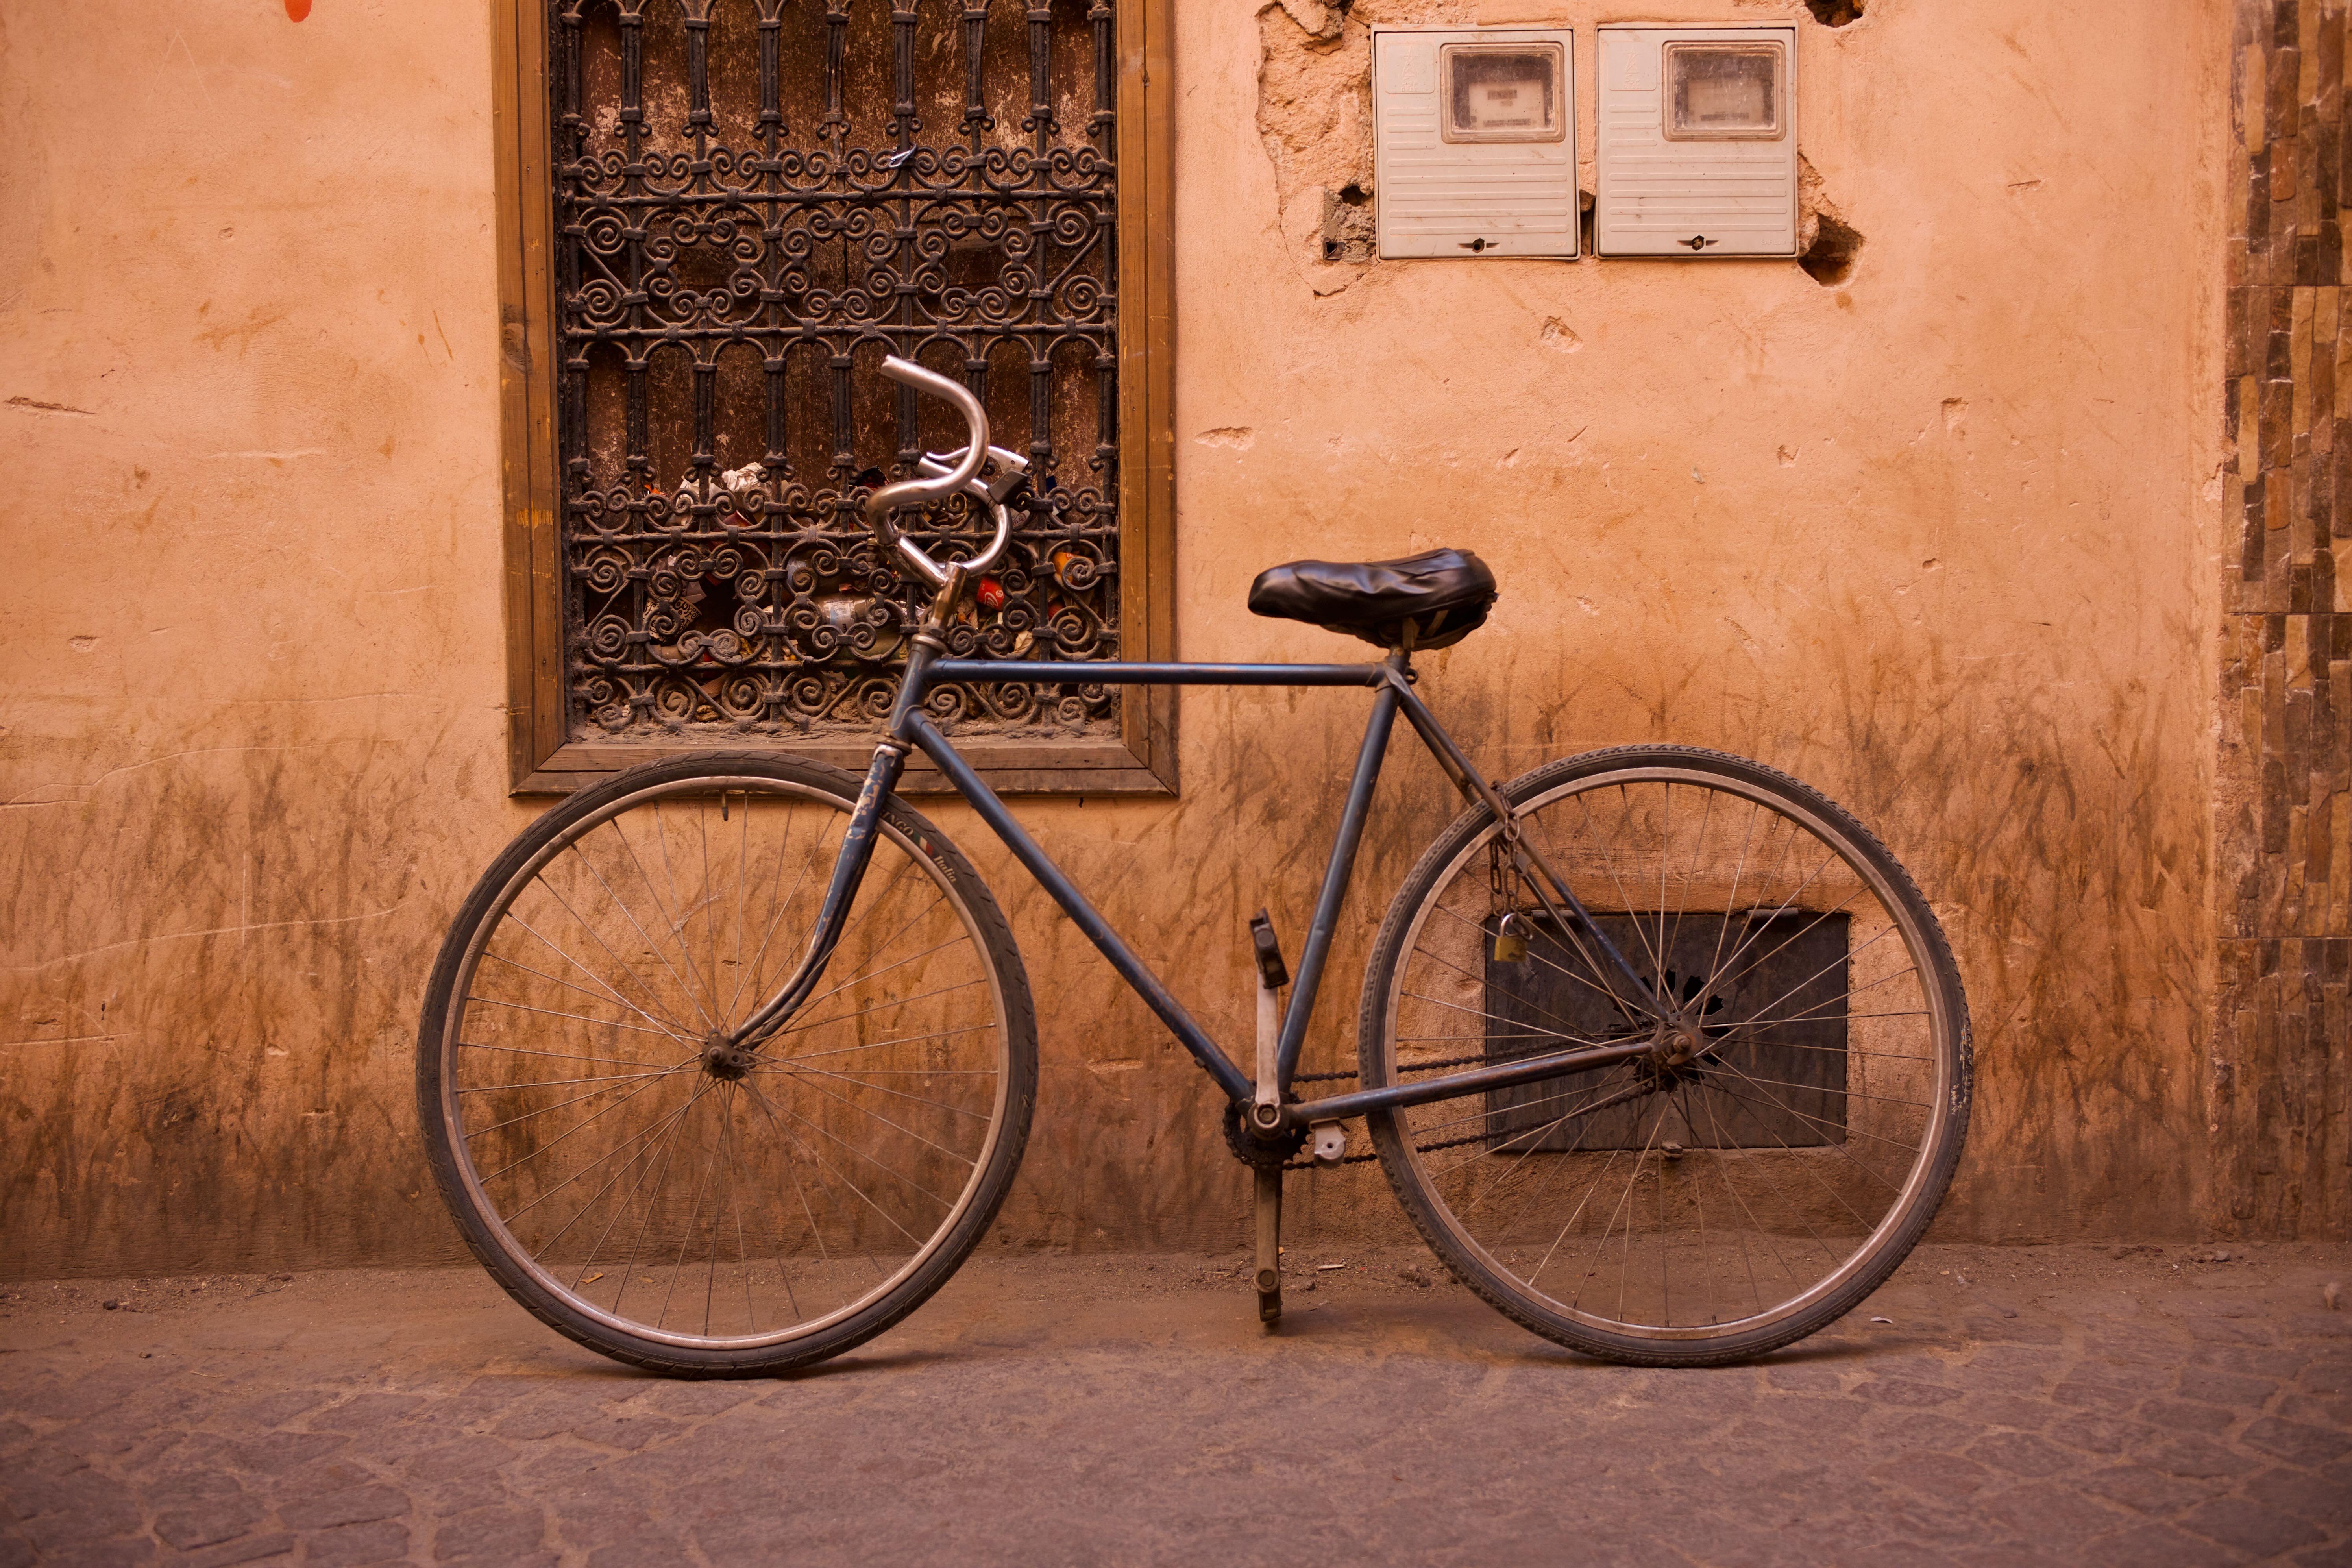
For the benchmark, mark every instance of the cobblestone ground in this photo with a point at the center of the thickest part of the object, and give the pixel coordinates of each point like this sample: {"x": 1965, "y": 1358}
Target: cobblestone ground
{"x": 2013, "y": 1405}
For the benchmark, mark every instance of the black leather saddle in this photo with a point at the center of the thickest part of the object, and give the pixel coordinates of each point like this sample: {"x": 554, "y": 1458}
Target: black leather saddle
{"x": 1436, "y": 598}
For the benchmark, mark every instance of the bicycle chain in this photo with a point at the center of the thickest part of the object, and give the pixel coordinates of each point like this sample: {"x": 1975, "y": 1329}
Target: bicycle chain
{"x": 1409, "y": 1067}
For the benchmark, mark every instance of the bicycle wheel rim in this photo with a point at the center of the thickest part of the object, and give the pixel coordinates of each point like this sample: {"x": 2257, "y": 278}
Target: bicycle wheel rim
{"x": 1866, "y": 1256}
{"x": 959, "y": 1217}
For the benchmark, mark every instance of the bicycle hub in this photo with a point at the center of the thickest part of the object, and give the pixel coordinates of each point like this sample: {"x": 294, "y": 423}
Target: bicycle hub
{"x": 722, "y": 1058}
{"x": 1678, "y": 1040}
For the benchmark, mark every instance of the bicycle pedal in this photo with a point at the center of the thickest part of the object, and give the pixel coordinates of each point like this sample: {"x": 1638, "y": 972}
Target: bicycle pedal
{"x": 1266, "y": 949}
{"x": 1269, "y": 1304}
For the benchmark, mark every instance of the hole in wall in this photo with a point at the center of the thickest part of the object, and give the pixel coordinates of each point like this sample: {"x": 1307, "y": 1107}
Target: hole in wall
{"x": 1836, "y": 13}
{"x": 1348, "y": 233}
{"x": 1830, "y": 259}
{"x": 1344, "y": 236}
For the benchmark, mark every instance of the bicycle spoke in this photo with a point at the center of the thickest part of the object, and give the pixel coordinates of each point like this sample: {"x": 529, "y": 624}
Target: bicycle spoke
{"x": 661, "y": 915}
{"x": 1480, "y": 1011}
{"x": 559, "y": 1105}
{"x": 530, "y": 1051}
{"x": 901, "y": 1094}
{"x": 772, "y": 1064}
{"x": 648, "y": 1141}
{"x": 641, "y": 1138}
{"x": 578, "y": 1127}
{"x": 686, "y": 911}
{"x": 1750, "y": 1105}
{"x": 820, "y": 1163}
{"x": 564, "y": 1082}
{"x": 659, "y": 1026}
{"x": 778, "y": 906}
{"x": 878, "y": 1007}
{"x": 1547, "y": 935}
{"x": 858, "y": 1191}
{"x": 540, "y": 881}
{"x": 553, "y": 1013}
{"x": 652, "y": 948}
{"x": 686, "y": 1239}
{"x": 894, "y": 1126}
{"x": 669, "y": 1148}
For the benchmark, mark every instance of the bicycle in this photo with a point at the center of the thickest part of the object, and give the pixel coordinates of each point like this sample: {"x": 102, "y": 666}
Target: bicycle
{"x": 1661, "y": 1050}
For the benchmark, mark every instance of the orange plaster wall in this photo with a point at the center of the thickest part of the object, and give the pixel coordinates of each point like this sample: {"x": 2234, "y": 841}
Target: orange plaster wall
{"x": 1940, "y": 541}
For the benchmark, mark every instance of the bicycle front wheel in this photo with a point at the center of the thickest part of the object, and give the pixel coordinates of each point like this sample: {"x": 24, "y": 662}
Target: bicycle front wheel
{"x": 1756, "y": 1175}
{"x": 683, "y": 1206}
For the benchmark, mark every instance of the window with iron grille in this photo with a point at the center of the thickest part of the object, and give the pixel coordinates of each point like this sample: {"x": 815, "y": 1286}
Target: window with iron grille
{"x": 725, "y": 213}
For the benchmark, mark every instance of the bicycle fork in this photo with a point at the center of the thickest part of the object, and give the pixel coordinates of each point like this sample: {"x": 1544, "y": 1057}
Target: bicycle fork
{"x": 848, "y": 873}
{"x": 857, "y": 839}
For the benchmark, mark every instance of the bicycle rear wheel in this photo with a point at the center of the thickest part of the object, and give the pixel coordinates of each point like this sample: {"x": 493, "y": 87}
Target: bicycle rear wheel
{"x": 696, "y": 1210}
{"x": 1660, "y": 1211}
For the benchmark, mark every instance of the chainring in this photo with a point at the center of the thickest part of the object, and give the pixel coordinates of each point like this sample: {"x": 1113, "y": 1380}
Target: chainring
{"x": 1266, "y": 1157}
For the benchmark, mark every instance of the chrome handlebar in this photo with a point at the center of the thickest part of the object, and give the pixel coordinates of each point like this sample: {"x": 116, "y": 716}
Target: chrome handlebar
{"x": 943, "y": 474}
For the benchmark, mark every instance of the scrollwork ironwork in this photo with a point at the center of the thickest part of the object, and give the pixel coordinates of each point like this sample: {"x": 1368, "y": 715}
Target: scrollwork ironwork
{"x": 733, "y": 264}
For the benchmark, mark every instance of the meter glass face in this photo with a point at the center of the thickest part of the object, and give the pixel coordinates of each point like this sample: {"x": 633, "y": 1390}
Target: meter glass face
{"x": 1723, "y": 93}
{"x": 1504, "y": 92}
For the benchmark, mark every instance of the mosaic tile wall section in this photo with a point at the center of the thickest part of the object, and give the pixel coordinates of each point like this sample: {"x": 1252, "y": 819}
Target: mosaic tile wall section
{"x": 2282, "y": 1106}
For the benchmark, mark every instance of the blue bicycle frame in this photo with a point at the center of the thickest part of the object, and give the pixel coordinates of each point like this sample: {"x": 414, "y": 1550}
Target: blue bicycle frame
{"x": 906, "y": 729}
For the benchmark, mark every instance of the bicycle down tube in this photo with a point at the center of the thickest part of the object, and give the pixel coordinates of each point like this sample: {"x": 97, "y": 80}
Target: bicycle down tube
{"x": 909, "y": 731}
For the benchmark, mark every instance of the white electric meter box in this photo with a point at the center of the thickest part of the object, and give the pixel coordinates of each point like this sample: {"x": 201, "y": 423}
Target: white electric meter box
{"x": 1697, "y": 150}
{"x": 1474, "y": 142}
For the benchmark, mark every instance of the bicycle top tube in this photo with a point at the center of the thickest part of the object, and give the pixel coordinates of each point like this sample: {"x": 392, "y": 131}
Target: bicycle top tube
{"x": 1110, "y": 672}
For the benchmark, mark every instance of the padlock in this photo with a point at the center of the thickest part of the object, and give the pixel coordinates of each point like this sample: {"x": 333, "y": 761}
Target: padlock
{"x": 1510, "y": 942}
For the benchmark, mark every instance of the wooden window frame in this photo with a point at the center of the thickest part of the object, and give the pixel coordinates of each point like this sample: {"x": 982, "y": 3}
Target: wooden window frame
{"x": 1141, "y": 759}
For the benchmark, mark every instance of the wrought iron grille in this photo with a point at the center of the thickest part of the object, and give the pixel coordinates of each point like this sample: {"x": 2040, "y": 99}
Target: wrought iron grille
{"x": 755, "y": 201}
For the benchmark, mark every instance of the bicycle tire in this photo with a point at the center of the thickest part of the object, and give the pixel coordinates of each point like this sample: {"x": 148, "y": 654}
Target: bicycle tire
{"x": 1767, "y": 975}
{"x": 532, "y": 980}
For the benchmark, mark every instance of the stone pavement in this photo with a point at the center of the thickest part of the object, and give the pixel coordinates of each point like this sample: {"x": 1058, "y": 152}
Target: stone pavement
{"x": 2015, "y": 1406}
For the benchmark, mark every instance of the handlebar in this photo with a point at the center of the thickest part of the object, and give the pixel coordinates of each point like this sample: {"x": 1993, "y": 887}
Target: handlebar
{"x": 942, "y": 474}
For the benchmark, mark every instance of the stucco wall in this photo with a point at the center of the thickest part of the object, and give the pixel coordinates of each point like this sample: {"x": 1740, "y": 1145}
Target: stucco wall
{"x": 1940, "y": 541}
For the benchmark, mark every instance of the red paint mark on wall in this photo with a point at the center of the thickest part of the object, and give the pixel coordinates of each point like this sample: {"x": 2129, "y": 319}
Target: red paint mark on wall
{"x": 297, "y": 9}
